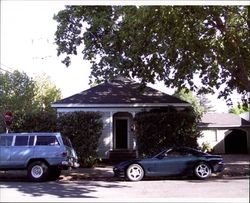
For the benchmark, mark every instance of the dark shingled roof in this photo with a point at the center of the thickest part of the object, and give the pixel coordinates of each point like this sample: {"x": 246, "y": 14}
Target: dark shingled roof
{"x": 223, "y": 120}
{"x": 120, "y": 91}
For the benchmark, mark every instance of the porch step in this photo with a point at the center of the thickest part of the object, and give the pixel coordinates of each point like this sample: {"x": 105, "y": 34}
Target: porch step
{"x": 116, "y": 156}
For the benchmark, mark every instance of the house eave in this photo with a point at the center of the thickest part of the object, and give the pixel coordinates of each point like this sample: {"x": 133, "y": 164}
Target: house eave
{"x": 135, "y": 105}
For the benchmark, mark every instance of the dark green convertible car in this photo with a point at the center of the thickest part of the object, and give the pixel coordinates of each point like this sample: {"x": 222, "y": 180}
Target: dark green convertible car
{"x": 170, "y": 162}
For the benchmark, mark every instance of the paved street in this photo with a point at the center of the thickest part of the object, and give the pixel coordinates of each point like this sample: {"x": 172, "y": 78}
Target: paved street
{"x": 182, "y": 190}
{"x": 99, "y": 185}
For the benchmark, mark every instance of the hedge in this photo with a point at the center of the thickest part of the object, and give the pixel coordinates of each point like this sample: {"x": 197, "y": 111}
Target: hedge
{"x": 157, "y": 130}
{"x": 84, "y": 130}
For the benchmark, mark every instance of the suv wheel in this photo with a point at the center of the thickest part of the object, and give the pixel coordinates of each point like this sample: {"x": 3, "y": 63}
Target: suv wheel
{"x": 38, "y": 171}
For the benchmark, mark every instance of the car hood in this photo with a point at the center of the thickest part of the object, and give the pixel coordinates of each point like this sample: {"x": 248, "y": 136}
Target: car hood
{"x": 211, "y": 156}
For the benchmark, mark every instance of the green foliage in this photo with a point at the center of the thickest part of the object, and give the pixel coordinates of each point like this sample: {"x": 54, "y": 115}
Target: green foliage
{"x": 161, "y": 129}
{"x": 45, "y": 93}
{"x": 84, "y": 130}
{"x": 165, "y": 43}
{"x": 240, "y": 108}
{"x": 189, "y": 97}
{"x": 27, "y": 99}
{"x": 38, "y": 121}
{"x": 16, "y": 92}
{"x": 206, "y": 147}
{"x": 205, "y": 103}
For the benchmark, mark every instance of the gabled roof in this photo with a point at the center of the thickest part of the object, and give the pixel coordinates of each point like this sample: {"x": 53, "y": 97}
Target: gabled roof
{"x": 223, "y": 120}
{"x": 118, "y": 93}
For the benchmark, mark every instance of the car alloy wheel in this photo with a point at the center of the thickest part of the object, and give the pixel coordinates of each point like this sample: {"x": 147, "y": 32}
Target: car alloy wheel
{"x": 37, "y": 171}
{"x": 135, "y": 172}
{"x": 202, "y": 171}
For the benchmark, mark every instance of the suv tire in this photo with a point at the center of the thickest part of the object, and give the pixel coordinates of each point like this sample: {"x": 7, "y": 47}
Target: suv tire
{"x": 38, "y": 171}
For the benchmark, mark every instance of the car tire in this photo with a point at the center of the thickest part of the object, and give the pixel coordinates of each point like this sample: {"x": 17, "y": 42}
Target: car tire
{"x": 54, "y": 173}
{"x": 38, "y": 171}
{"x": 134, "y": 172}
{"x": 202, "y": 170}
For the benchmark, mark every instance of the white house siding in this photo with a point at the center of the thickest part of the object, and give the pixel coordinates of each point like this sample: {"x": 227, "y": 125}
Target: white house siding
{"x": 214, "y": 138}
{"x": 106, "y": 139}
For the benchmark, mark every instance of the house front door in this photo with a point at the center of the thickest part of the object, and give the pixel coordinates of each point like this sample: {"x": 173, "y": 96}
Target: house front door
{"x": 121, "y": 133}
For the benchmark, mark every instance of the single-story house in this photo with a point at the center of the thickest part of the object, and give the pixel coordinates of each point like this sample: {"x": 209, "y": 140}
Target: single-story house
{"x": 118, "y": 100}
{"x": 225, "y": 133}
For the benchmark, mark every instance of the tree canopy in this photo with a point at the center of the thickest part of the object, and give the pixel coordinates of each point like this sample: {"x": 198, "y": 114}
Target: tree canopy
{"x": 21, "y": 94}
{"x": 240, "y": 108}
{"x": 174, "y": 44}
{"x": 16, "y": 92}
{"x": 189, "y": 97}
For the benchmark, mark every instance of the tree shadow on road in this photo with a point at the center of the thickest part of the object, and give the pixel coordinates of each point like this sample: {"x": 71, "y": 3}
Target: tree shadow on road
{"x": 71, "y": 186}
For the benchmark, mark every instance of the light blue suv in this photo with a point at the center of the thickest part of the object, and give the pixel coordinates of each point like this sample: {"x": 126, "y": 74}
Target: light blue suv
{"x": 43, "y": 155}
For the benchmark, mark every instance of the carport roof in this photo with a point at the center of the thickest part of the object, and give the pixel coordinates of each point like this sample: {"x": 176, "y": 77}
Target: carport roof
{"x": 119, "y": 92}
{"x": 223, "y": 120}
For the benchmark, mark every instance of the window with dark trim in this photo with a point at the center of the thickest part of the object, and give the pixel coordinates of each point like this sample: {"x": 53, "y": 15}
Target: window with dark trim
{"x": 47, "y": 141}
{"x": 21, "y": 140}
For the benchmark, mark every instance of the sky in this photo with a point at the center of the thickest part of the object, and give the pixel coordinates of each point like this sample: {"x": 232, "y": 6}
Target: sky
{"x": 27, "y": 44}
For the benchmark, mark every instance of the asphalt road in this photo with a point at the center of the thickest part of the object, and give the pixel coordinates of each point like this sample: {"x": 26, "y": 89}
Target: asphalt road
{"x": 175, "y": 190}
{"x": 99, "y": 185}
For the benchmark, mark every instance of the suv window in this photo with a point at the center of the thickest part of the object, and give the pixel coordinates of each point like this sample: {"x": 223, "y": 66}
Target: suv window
{"x": 47, "y": 140}
{"x": 6, "y": 140}
{"x": 21, "y": 141}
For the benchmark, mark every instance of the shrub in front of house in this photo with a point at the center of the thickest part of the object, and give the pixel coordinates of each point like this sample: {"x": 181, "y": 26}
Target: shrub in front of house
{"x": 84, "y": 130}
{"x": 36, "y": 121}
{"x": 159, "y": 129}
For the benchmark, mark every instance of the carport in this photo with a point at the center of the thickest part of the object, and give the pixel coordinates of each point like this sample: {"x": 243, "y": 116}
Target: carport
{"x": 236, "y": 142}
{"x": 225, "y": 133}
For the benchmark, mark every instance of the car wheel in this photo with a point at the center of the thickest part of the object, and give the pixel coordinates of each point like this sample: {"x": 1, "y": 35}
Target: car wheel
{"x": 135, "y": 172}
{"x": 38, "y": 171}
{"x": 54, "y": 173}
{"x": 202, "y": 170}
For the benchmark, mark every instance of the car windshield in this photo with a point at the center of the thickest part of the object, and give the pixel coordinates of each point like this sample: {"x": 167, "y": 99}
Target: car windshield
{"x": 160, "y": 153}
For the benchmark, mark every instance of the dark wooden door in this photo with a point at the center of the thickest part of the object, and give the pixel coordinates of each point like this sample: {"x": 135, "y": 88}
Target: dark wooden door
{"x": 121, "y": 133}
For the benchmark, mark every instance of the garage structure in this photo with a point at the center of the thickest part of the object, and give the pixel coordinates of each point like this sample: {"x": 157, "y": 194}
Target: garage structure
{"x": 226, "y": 133}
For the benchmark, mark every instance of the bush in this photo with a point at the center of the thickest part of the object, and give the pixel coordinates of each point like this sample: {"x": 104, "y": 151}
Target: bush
{"x": 37, "y": 121}
{"x": 84, "y": 130}
{"x": 159, "y": 129}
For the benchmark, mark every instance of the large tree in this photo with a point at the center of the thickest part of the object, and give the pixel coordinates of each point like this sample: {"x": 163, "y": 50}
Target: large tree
{"x": 29, "y": 100}
{"x": 45, "y": 92}
{"x": 21, "y": 94}
{"x": 174, "y": 44}
{"x": 17, "y": 91}
{"x": 189, "y": 97}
